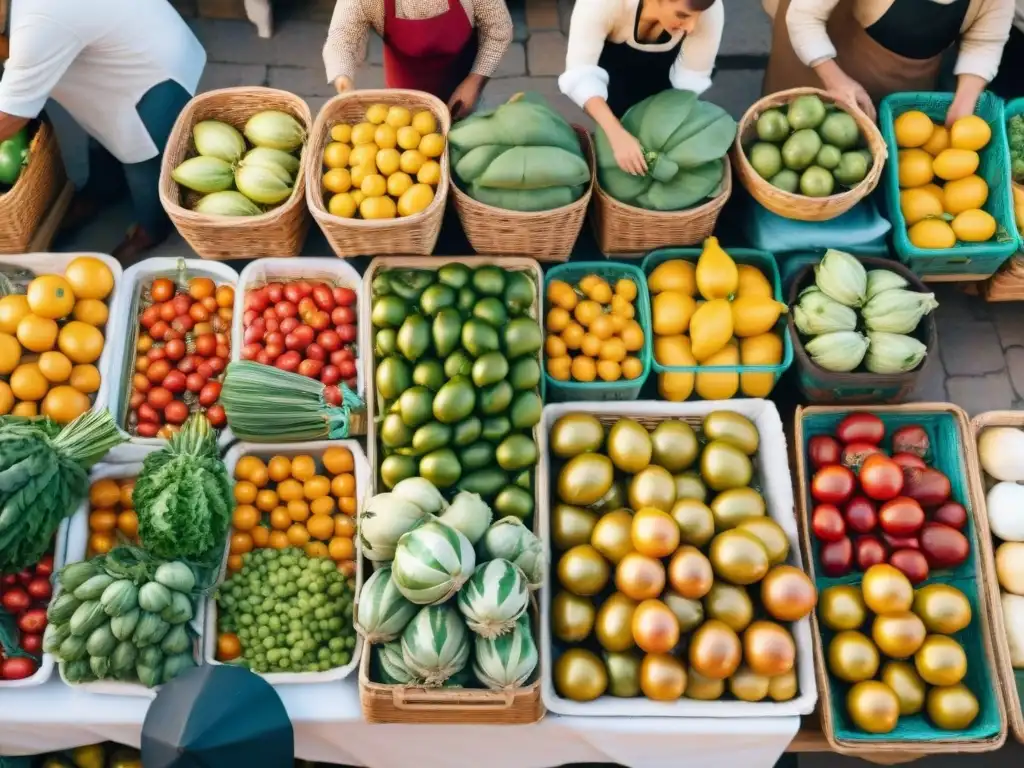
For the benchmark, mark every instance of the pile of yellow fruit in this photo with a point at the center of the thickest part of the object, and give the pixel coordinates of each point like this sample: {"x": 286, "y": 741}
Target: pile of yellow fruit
{"x": 386, "y": 166}
{"x": 716, "y": 313}
{"x": 941, "y": 195}
{"x": 592, "y": 330}
{"x": 51, "y": 338}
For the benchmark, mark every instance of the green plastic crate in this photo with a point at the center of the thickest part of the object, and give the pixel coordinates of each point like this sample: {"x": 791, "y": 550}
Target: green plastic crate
{"x": 623, "y": 389}
{"x": 947, "y": 455}
{"x": 763, "y": 261}
{"x": 981, "y": 259}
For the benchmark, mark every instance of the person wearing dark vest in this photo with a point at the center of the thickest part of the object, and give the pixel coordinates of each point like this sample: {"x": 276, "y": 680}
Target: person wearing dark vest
{"x": 448, "y": 48}
{"x": 863, "y": 50}
{"x": 1009, "y": 83}
{"x": 620, "y": 52}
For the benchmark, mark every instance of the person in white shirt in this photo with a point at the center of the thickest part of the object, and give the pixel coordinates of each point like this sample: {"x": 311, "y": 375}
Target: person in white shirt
{"x": 620, "y": 52}
{"x": 1009, "y": 83}
{"x": 123, "y": 69}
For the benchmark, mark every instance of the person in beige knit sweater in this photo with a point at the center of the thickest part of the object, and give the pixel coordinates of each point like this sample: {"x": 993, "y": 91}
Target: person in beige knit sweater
{"x": 863, "y": 50}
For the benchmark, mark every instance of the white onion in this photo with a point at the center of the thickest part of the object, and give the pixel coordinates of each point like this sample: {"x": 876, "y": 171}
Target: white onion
{"x": 1002, "y": 453}
{"x": 1005, "y": 503}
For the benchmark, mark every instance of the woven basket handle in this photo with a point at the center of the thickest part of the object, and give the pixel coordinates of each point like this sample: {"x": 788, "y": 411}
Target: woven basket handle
{"x": 410, "y": 700}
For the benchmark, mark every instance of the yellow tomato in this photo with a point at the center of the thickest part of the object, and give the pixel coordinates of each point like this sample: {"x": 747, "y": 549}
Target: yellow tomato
{"x": 6, "y": 398}
{"x": 37, "y": 334}
{"x": 91, "y": 311}
{"x": 81, "y": 342}
{"x": 342, "y": 132}
{"x": 912, "y": 129}
{"x": 10, "y": 353}
{"x": 385, "y": 136}
{"x": 584, "y": 368}
{"x": 50, "y": 296}
{"x": 561, "y": 294}
{"x": 559, "y": 368}
{"x": 12, "y": 309}
{"x": 424, "y": 122}
{"x": 64, "y": 404}
{"x": 28, "y": 383}
{"x": 429, "y": 173}
{"x": 25, "y": 410}
{"x": 303, "y": 467}
{"x": 337, "y": 460}
{"x": 388, "y": 160}
{"x": 408, "y": 137}
{"x": 398, "y": 117}
{"x": 338, "y": 180}
{"x": 432, "y": 145}
{"x": 104, "y": 494}
{"x": 280, "y": 468}
{"x": 411, "y": 161}
{"x": 342, "y": 205}
{"x": 89, "y": 278}
{"x": 55, "y": 366}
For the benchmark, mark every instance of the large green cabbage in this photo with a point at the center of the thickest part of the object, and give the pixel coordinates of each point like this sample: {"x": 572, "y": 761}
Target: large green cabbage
{"x": 522, "y": 156}
{"x": 684, "y": 140}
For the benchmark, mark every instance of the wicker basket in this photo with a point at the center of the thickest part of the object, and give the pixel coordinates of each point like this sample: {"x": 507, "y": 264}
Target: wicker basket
{"x": 280, "y": 231}
{"x": 1012, "y": 680}
{"x": 542, "y": 235}
{"x": 960, "y": 464}
{"x": 622, "y": 230}
{"x": 24, "y": 207}
{"x": 801, "y": 207}
{"x": 409, "y": 235}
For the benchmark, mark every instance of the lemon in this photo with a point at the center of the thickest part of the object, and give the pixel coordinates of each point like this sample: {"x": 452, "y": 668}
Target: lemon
{"x": 969, "y": 132}
{"x": 424, "y": 122}
{"x": 377, "y": 208}
{"x": 360, "y": 172}
{"x": 342, "y": 132}
{"x": 398, "y": 183}
{"x": 953, "y": 164}
{"x": 932, "y": 233}
{"x": 388, "y": 161}
{"x": 336, "y": 155}
{"x": 412, "y": 161}
{"x": 377, "y": 114}
{"x": 913, "y": 129}
{"x": 970, "y": 226}
{"x": 338, "y": 180}
{"x": 964, "y": 194}
{"x": 358, "y": 196}
{"x": 343, "y": 205}
{"x": 374, "y": 185}
{"x": 918, "y": 204}
{"x": 398, "y": 117}
{"x": 415, "y": 199}
{"x": 408, "y": 137}
{"x": 363, "y": 133}
{"x": 938, "y": 141}
{"x": 432, "y": 145}
{"x": 364, "y": 154}
{"x": 429, "y": 173}
{"x": 385, "y": 136}
{"x": 915, "y": 168}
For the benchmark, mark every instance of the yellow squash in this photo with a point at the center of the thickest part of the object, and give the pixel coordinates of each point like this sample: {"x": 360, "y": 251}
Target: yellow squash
{"x": 974, "y": 226}
{"x": 717, "y": 276}
{"x": 673, "y": 275}
{"x": 754, "y": 316}
{"x": 671, "y": 312}
{"x": 710, "y": 328}
{"x": 674, "y": 350}
{"x": 720, "y": 386}
{"x": 753, "y": 283}
{"x": 765, "y": 349}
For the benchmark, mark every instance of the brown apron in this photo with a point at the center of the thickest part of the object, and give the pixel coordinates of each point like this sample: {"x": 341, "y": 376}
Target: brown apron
{"x": 876, "y": 68}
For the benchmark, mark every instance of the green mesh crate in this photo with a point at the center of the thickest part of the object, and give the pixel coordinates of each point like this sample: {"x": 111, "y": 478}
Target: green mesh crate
{"x": 623, "y": 389}
{"x": 769, "y": 267}
{"x": 976, "y": 259}
{"x": 947, "y": 455}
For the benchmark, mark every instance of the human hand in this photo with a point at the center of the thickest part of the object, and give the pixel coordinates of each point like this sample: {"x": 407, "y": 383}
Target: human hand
{"x": 628, "y": 152}
{"x": 845, "y": 88}
{"x": 962, "y": 106}
{"x": 465, "y": 97}
{"x": 343, "y": 84}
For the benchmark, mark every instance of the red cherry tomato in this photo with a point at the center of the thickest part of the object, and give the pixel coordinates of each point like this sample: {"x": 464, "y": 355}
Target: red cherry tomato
{"x": 868, "y": 551}
{"x": 195, "y": 382}
{"x": 15, "y": 600}
{"x": 861, "y": 428}
{"x": 136, "y": 400}
{"x": 204, "y": 370}
{"x": 346, "y": 297}
{"x": 347, "y": 369}
{"x": 167, "y": 312}
{"x": 284, "y": 309}
{"x": 182, "y": 303}
{"x": 188, "y": 363}
{"x": 147, "y": 414}
{"x": 329, "y": 340}
{"x": 31, "y": 644}
{"x": 837, "y": 557}
{"x": 319, "y": 320}
{"x": 911, "y": 563}
{"x": 287, "y": 325}
{"x": 140, "y": 383}
{"x": 215, "y": 413}
{"x": 206, "y": 345}
{"x": 823, "y": 450}
{"x": 827, "y": 523}
{"x": 249, "y": 351}
{"x": 25, "y": 576}
{"x": 147, "y": 429}
{"x": 332, "y": 395}
{"x": 217, "y": 365}
{"x": 341, "y": 355}
{"x": 273, "y": 351}
{"x": 175, "y": 349}
{"x": 159, "y": 397}
{"x": 943, "y": 546}
{"x": 176, "y": 412}
{"x": 855, "y": 454}
{"x": 183, "y": 324}
{"x": 901, "y": 516}
{"x": 952, "y": 514}
{"x": 199, "y": 313}
{"x": 209, "y": 393}
{"x": 292, "y": 293}
{"x": 315, "y": 352}
{"x": 45, "y": 566}
{"x": 323, "y": 297}
{"x": 881, "y": 477}
{"x": 39, "y": 589}
{"x": 330, "y": 375}
{"x": 860, "y": 515}
{"x": 911, "y": 439}
{"x": 32, "y": 621}
{"x": 159, "y": 330}
{"x": 347, "y": 333}
{"x": 900, "y": 542}
{"x": 149, "y": 316}
{"x": 832, "y": 485}
{"x": 257, "y": 300}
{"x": 18, "y": 668}
{"x": 275, "y": 291}
{"x": 311, "y": 368}
{"x": 289, "y": 361}
{"x": 928, "y": 486}
{"x": 174, "y": 382}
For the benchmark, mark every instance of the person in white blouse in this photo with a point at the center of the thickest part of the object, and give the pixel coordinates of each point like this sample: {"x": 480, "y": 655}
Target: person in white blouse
{"x": 622, "y": 51}
{"x": 1009, "y": 83}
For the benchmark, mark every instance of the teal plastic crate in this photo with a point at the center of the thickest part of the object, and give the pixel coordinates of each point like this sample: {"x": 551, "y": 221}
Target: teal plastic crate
{"x": 1014, "y": 108}
{"x": 623, "y": 389}
{"x": 764, "y": 262}
{"x": 976, "y": 259}
{"x": 947, "y": 455}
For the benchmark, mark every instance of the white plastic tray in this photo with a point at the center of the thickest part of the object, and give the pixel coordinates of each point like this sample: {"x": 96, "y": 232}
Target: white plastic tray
{"x": 772, "y": 471}
{"x": 78, "y": 540}
{"x": 265, "y": 451}
{"x": 124, "y": 355}
{"x": 337, "y": 272}
{"x": 44, "y": 263}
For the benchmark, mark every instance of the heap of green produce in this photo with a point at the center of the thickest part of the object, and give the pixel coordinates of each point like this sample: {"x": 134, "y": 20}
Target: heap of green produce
{"x": 183, "y": 496}
{"x": 13, "y": 157}
{"x": 523, "y": 156}
{"x": 291, "y": 612}
{"x": 1016, "y": 136}
{"x": 845, "y": 297}
{"x": 455, "y": 587}
{"x": 456, "y": 380}
{"x": 685, "y": 142}
{"x": 122, "y": 616}
{"x": 234, "y": 179}
{"x": 809, "y": 148}
{"x": 43, "y": 479}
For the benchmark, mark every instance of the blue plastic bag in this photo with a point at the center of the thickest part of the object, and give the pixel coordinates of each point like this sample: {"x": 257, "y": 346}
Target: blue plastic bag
{"x": 862, "y": 229}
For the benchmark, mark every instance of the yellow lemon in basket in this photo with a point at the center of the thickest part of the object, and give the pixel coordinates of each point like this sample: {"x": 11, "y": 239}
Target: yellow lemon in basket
{"x": 408, "y": 137}
{"x": 342, "y": 132}
{"x": 398, "y": 117}
{"x": 424, "y": 122}
{"x": 415, "y": 199}
{"x": 939, "y": 141}
{"x": 374, "y": 185}
{"x": 915, "y": 168}
{"x": 969, "y": 132}
{"x": 338, "y": 180}
{"x": 359, "y": 174}
{"x": 974, "y": 226}
{"x": 343, "y": 205}
{"x": 377, "y": 208}
{"x": 932, "y": 233}
{"x": 412, "y": 160}
{"x": 398, "y": 183}
{"x": 912, "y": 129}
{"x": 429, "y": 173}
{"x": 388, "y": 161}
{"x": 964, "y": 194}
{"x": 432, "y": 145}
{"x": 12, "y": 309}
{"x": 363, "y": 133}
{"x": 364, "y": 154}
{"x": 336, "y": 155}
{"x": 919, "y": 203}
{"x": 385, "y": 136}
{"x": 358, "y": 196}
{"x": 953, "y": 164}
{"x": 377, "y": 114}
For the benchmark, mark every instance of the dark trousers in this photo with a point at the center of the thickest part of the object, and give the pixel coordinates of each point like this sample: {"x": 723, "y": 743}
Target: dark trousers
{"x": 1009, "y": 83}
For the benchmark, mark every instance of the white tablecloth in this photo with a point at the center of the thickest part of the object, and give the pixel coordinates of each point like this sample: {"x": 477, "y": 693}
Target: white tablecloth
{"x": 329, "y": 728}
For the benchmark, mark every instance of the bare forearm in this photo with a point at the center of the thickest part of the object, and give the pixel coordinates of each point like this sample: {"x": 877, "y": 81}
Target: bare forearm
{"x": 598, "y": 109}
{"x": 970, "y": 87}
{"x": 10, "y": 125}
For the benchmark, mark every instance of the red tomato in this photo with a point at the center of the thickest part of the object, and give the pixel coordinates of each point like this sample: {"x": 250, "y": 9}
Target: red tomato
{"x": 837, "y": 557}
{"x": 860, "y": 515}
{"x": 323, "y": 297}
{"x": 204, "y": 370}
{"x": 285, "y": 309}
{"x": 209, "y": 393}
{"x": 195, "y": 382}
{"x": 273, "y": 324}
{"x": 943, "y": 546}
{"x": 167, "y": 312}
{"x": 294, "y": 341}
{"x": 215, "y": 413}
{"x": 273, "y": 351}
{"x": 823, "y": 450}
{"x": 952, "y": 514}
{"x": 861, "y": 428}
{"x": 315, "y": 352}
{"x": 909, "y": 460}
{"x": 183, "y": 324}
{"x": 832, "y": 485}
{"x": 254, "y": 332}
{"x": 287, "y": 325}
{"x": 311, "y": 368}
{"x": 319, "y": 321}
{"x": 221, "y": 351}
{"x": 330, "y": 375}
{"x": 927, "y": 486}
{"x": 881, "y": 477}
{"x": 33, "y": 621}
{"x": 147, "y": 429}
{"x": 24, "y": 577}
{"x": 911, "y": 439}
{"x": 182, "y": 304}
{"x": 911, "y": 563}
{"x": 217, "y": 365}
{"x": 332, "y": 395}
{"x": 206, "y": 346}
{"x": 188, "y": 363}
{"x": 346, "y": 297}
{"x": 158, "y": 371}
{"x": 174, "y": 382}
{"x": 868, "y": 551}
{"x": 289, "y": 361}
{"x": 45, "y": 566}
{"x": 159, "y": 330}
{"x": 347, "y": 369}
{"x": 159, "y": 397}
{"x": 199, "y": 313}
{"x": 256, "y": 300}
{"x": 345, "y": 353}
{"x": 275, "y": 292}
{"x": 18, "y": 668}
{"x": 276, "y": 337}
{"x": 855, "y": 453}
{"x": 39, "y": 589}
{"x": 827, "y": 523}
{"x": 292, "y": 293}
{"x": 305, "y": 287}
{"x": 31, "y": 644}
{"x": 329, "y": 340}
{"x": 249, "y": 351}
{"x": 146, "y": 413}
{"x": 136, "y": 400}
{"x": 248, "y": 317}
{"x": 176, "y": 412}
{"x": 900, "y": 542}
{"x": 149, "y": 316}
{"x": 901, "y": 516}
{"x": 175, "y": 349}
{"x": 347, "y": 333}
{"x": 15, "y": 600}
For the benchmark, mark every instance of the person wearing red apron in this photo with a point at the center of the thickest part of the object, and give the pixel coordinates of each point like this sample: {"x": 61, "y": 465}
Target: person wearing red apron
{"x": 620, "y": 52}
{"x": 863, "y": 50}
{"x": 448, "y": 48}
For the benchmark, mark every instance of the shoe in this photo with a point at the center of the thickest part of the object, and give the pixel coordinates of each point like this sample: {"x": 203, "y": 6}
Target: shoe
{"x": 134, "y": 246}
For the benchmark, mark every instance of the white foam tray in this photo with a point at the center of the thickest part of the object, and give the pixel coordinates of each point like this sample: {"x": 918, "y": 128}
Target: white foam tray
{"x": 265, "y": 451}
{"x": 123, "y": 358}
{"x": 772, "y": 472}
